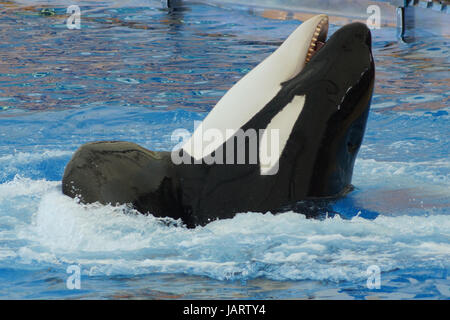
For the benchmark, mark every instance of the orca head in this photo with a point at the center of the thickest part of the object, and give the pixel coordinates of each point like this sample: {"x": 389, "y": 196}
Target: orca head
{"x": 316, "y": 92}
{"x": 248, "y": 97}
{"x": 337, "y": 84}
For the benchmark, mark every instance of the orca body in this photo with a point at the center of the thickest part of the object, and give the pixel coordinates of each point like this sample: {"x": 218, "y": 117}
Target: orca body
{"x": 315, "y": 94}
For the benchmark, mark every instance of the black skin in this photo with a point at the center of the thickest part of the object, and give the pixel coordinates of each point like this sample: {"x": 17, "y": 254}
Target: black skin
{"x": 316, "y": 163}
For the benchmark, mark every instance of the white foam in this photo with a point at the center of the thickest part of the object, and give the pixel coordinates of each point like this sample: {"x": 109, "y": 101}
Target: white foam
{"x": 370, "y": 171}
{"x": 27, "y": 157}
{"x": 108, "y": 240}
{"x": 42, "y": 226}
{"x": 21, "y": 186}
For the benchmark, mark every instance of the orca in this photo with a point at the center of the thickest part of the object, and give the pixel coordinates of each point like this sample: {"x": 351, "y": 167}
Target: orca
{"x": 314, "y": 94}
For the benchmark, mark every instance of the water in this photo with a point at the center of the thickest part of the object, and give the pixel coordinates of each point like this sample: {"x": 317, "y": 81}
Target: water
{"x": 137, "y": 74}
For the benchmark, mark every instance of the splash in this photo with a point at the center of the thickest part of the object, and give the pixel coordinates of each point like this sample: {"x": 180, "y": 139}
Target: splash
{"x": 50, "y": 229}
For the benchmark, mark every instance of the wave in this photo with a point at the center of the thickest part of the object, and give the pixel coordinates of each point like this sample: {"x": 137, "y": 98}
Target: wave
{"x": 43, "y": 227}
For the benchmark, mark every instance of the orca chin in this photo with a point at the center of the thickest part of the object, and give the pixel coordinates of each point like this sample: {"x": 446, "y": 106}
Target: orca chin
{"x": 287, "y": 133}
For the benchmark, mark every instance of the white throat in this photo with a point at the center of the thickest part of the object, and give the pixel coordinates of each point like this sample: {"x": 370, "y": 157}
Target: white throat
{"x": 250, "y": 94}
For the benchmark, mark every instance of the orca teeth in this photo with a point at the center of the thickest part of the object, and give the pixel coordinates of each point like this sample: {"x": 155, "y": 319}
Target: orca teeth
{"x": 318, "y": 39}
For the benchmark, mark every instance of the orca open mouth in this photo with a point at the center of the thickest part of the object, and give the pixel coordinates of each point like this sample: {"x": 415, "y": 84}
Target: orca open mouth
{"x": 319, "y": 38}
{"x": 258, "y": 87}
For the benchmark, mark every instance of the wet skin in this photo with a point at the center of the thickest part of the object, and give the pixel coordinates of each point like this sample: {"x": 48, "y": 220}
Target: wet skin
{"x": 316, "y": 163}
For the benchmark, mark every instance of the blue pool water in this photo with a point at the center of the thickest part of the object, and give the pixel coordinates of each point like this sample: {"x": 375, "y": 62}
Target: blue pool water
{"x": 137, "y": 74}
